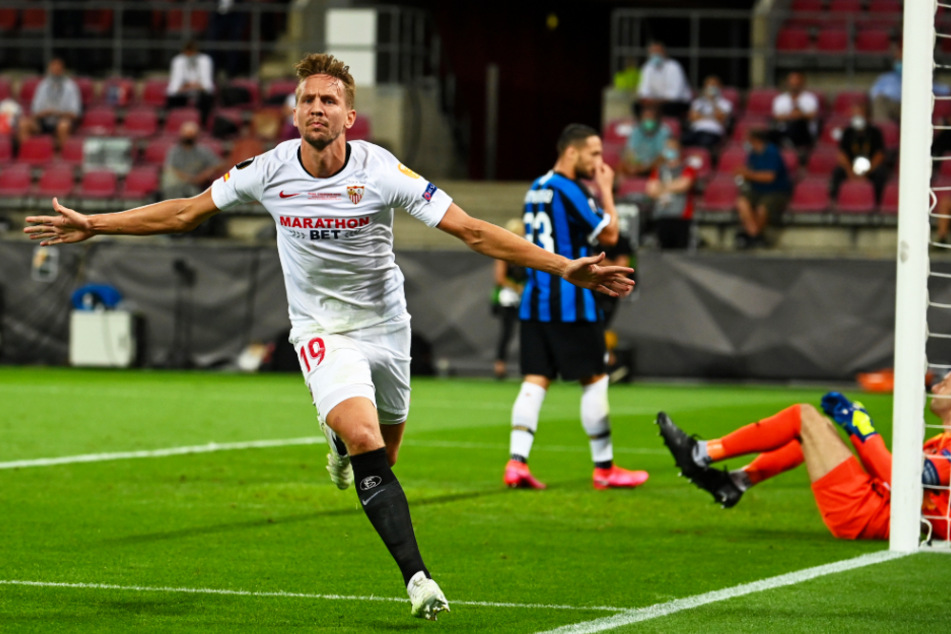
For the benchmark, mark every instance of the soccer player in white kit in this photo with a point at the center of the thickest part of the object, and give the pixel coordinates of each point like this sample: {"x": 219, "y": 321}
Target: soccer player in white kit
{"x": 332, "y": 202}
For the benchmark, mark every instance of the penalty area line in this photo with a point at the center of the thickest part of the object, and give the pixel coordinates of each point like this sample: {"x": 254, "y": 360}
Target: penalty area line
{"x": 292, "y": 595}
{"x": 678, "y": 605}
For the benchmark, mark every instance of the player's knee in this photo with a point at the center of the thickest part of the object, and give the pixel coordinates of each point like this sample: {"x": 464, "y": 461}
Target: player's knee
{"x": 811, "y": 417}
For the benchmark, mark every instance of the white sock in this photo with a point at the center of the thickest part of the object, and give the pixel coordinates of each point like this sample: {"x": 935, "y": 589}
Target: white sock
{"x": 594, "y": 419}
{"x": 741, "y": 479}
{"x": 525, "y": 411}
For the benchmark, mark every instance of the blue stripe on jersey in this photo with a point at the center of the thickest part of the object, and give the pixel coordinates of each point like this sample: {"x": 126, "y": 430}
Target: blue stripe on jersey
{"x": 561, "y": 222}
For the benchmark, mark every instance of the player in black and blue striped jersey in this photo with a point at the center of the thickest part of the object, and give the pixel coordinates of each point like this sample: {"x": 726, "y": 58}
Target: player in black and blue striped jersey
{"x": 562, "y": 329}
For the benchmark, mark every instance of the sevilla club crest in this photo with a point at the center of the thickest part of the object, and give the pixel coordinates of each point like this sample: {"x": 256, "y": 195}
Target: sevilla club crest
{"x": 355, "y": 192}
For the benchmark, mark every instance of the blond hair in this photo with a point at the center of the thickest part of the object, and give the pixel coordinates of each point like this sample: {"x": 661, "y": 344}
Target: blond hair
{"x": 324, "y": 64}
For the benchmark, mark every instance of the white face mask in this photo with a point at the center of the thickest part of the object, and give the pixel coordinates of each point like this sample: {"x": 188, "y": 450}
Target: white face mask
{"x": 858, "y": 122}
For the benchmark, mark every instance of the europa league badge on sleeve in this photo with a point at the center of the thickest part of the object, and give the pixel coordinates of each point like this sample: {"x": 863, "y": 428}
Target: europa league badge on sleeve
{"x": 45, "y": 264}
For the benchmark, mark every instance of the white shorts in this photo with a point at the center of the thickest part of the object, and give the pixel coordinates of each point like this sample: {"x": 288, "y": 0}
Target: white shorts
{"x": 371, "y": 362}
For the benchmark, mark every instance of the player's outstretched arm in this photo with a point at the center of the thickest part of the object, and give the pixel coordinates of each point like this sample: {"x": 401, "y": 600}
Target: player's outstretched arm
{"x": 495, "y": 242}
{"x": 169, "y": 216}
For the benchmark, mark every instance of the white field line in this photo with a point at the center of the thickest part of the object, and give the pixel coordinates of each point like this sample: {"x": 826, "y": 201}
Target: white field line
{"x": 678, "y": 605}
{"x": 161, "y": 453}
{"x": 294, "y": 595}
{"x": 264, "y": 444}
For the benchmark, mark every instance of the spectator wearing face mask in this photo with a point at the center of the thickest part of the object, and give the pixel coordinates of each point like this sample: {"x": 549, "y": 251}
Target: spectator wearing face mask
{"x": 861, "y": 154}
{"x": 671, "y": 188}
{"x": 55, "y": 108}
{"x": 709, "y": 116}
{"x": 796, "y": 113}
{"x": 189, "y": 167}
{"x": 663, "y": 83}
{"x": 886, "y": 93}
{"x": 645, "y": 144}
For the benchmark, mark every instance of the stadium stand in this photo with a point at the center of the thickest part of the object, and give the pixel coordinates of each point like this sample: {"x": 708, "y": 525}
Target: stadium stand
{"x": 178, "y": 116}
{"x": 856, "y": 197}
{"x": 140, "y": 184}
{"x": 98, "y": 121}
{"x": 15, "y": 182}
{"x": 72, "y": 151}
{"x": 6, "y": 149}
{"x": 37, "y": 150}
{"x": 889, "y": 204}
{"x": 55, "y": 180}
{"x": 139, "y": 123}
{"x": 810, "y": 196}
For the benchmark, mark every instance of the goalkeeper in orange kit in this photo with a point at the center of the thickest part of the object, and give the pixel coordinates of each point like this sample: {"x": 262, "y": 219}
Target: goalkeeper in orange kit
{"x": 853, "y": 494}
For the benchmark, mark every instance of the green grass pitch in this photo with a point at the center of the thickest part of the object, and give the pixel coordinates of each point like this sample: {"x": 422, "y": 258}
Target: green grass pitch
{"x": 268, "y": 521}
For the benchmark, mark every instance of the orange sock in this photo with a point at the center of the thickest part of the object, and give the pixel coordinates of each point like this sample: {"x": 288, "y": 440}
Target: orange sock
{"x": 765, "y": 435}
{"x": 772, "y": 463}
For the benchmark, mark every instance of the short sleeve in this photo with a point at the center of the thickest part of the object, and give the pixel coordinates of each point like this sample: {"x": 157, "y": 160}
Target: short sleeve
{"x": 402, "y": 187}
{"x": 243, "y": 183}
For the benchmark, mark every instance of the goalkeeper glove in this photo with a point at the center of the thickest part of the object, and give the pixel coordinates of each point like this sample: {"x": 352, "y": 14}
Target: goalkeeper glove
{"x": 851, "y": 416}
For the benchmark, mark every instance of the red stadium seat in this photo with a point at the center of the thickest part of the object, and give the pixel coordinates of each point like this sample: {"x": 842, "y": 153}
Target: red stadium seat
{"x": 759, "y": 101}
{"x": 72, "y": 152}
{"x": 832, "y": 40}
{"x": 741, "y": 128}
{"x": 156, "y": 150}
{"x": 732, "y": 95}
{"x": 631, "y": 187}
{"x": 98, "y": 122}
{"x": 873, "y": 41}
{"x": 673, "y": 124}
{"x": 277, "y": 91}
{"x": 732, "y": 157}
{"x": 890, "y": 198}
{"x": 27, "y": 90}
{"x": 885, "y": 6}
{"x": 8, "y": 20}
{"x": 856, "y": 197}
{"x": 699, "y": 159}
{"x": 179, "y": 116}
{"x": 612, "y": 152}
{"x": 154, "y": 92}
{"x": 33, "y": 21}
{"x": 15, "y": 181}
{"x": 36, "y": 150}
{"x": 810, "y": 196}
{"x": 807, "y": 6}
{"x": 56, "y": 180}
{"x": 87, "y": 89}
{"x": 141, "y": 182}
{"x": 139, "y": 123}
{"x": 791, "y": 159}
{"x": 891, "y": 134}
{"x": 720, "y": 194}
{"x": 793, "y": 40}
{"x": 845, "y": 6}
{"x": 98, "y": 185}
{"x": 618, "y": 130}
{"x": 175, "y": 22}
{"x": 97, "y": 22}
{"x": 6, "y": 149}
{"x": 845, "y": 99}
{"x": 822, "y": 161}
{"x": 832, "y": 129}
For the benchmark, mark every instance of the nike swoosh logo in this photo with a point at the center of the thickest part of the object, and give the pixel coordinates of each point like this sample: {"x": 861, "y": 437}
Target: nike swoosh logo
{"x": 367, "y": 501}
{"x": 283, "y": 195}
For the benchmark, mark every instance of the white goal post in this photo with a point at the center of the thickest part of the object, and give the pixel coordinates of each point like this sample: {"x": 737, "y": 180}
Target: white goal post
{"x": 911, "y": 310}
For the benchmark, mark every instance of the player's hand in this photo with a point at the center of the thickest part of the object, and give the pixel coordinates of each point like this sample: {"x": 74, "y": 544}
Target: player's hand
{"x": 851, "y": 416}
{"x": 610, "y": 280}
{"x": 604, "y": 177}
{"x": 65, "y": 227}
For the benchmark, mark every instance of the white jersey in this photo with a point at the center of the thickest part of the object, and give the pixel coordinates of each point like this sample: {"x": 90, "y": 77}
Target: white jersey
{"x": 335, "y": 235}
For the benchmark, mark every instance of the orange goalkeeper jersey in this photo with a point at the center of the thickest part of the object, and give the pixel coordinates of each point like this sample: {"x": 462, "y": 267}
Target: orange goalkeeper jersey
{"x": 936, "y": 505}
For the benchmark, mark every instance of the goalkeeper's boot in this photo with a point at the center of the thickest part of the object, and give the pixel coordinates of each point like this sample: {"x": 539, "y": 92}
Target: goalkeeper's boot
{"x": 680, "y": 445}
{"x": 338, "y": 460}
{"x": 426, "y": 597}
{"x": 618, "y": 478}
{"x": 718, "y": 483}
{"x": 517, "y": 476}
